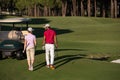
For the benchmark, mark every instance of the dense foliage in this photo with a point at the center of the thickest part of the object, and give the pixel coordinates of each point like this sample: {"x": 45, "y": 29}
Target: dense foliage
{"x": 103, "y": 8}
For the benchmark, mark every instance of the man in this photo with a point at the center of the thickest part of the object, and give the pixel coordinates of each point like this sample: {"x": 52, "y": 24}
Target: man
{"x": 49, "y": 40}
{"x": 29, "y": 46}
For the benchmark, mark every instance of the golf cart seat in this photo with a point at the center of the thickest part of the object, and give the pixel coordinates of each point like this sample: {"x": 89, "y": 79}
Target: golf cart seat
{"x": 24, "y": 33}
{"x": 14, "y": 35}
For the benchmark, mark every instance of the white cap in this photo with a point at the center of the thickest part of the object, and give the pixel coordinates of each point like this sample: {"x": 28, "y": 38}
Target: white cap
{"x": 30, "y": 29}
{"x": 47, "y": 25}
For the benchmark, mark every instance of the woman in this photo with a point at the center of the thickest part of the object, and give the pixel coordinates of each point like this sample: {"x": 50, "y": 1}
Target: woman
{"x": 29, "y": 46}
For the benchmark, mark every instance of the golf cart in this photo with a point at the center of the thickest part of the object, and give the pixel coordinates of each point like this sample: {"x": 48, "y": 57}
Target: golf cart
{"x": 11, "y": 41}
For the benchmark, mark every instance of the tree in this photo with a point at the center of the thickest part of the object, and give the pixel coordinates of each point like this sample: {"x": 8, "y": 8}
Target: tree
{"x": 89, "y": 8}
{"x": 82, "y": 8}
{"x": 47, "y": 4}
{"x": 5, "y": 4}
{"x": 74, "y": 7}
{"x": 64, "y": 7}
{"x": 95, "y": 8}
{"x": 20, "y": 5}
{"x": 115, "y": 4}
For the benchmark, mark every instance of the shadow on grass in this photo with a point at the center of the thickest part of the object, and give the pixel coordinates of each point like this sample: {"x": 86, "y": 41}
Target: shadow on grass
{"x": 39, "y": 21}
{"x": 64, "y": 59}
{"x": 58, "y": 50}
{"x": 38, "y": 52}
{"x": 60, "y": 60}
{"x": 38, "y": 32}
{"x": 36, "y": 67}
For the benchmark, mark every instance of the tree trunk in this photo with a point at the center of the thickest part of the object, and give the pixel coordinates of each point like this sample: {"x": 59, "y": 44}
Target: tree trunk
{"x": 77, "y": 8}
{"x": 74, "y": 7}
{"x": 53, "y": 13}
{"x": 49, "y": 13}
{"x": 115, "y": 3}
{"x": 38, "y": 11}
{"x": 45, "y": 11}
{"x": 88, "y": 8}
{"x": 103, "y": 9}
{"x": 119, "y": 11}
{"x": 29, "y": 11}
{"x": 82, "y": 8}
{"x": 35, "y": 11}
{"x": 112, "y": 10}
{"x": 64, "y": 7}
{"x": 95, "y": 8}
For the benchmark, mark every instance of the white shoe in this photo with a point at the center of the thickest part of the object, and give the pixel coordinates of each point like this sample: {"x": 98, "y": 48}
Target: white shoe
{"x": 30, "y": 68}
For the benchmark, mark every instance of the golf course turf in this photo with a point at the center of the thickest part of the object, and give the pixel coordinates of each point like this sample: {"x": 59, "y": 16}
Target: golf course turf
{"x": 87, "y": 46}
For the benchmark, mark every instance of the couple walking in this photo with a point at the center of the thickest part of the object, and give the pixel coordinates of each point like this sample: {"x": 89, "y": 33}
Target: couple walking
{"x": 49, "y": 41}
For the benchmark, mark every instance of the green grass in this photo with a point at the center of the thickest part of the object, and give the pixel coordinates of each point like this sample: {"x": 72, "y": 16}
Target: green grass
{"x": 82, "y": 43}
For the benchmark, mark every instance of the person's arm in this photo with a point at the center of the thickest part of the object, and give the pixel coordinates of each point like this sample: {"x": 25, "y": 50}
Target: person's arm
{"x": 35, "y": 42}
{"x": 25, "y": 45}
{"x": 43, "y": 42}
{"x": 55, "y": 40}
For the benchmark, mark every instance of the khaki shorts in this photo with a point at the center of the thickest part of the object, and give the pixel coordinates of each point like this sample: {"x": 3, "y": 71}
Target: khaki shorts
{"x": 30, "y": 53}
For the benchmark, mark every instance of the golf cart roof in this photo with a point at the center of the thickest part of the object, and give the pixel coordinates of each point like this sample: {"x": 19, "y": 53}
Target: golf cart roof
{"x": 14, "y": 20}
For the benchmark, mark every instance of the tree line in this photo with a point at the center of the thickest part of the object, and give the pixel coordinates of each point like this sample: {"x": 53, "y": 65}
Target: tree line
{"x": 36, "y": 8}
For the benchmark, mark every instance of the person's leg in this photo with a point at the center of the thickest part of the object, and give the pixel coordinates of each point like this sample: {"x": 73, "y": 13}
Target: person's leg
{"x": 32, "y": 54}
{"x": 47, "y": 54}
{"x": 28, "y": 58}
{"x": 52, "y": 56}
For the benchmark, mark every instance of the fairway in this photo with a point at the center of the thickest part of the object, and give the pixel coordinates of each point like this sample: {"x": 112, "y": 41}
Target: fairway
{"x": 86, "y": 47}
